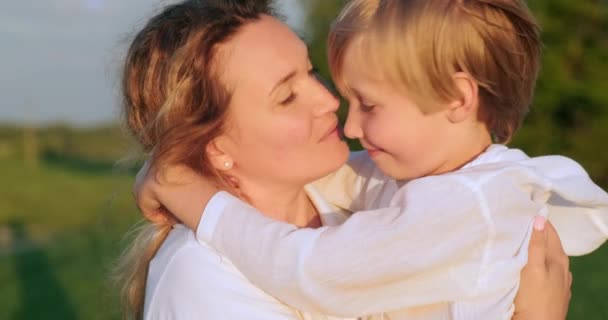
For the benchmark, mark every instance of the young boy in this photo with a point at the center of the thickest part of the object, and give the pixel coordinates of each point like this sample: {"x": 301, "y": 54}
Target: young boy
{"x": 442, "y": 216}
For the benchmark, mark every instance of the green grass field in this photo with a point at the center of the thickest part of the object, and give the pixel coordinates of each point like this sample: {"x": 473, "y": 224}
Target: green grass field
{"x": 61, "y": 229}
{"x": 62, "y": 225}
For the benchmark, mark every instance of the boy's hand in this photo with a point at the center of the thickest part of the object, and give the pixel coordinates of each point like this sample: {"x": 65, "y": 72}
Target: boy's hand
{"x": 145, "y": 199}
{"x": 172, "y": 194}
{"x": 544, "y": 292}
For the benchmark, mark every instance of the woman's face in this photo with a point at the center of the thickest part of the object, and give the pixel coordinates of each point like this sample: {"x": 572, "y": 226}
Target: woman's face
{"x": 282, "y": 126}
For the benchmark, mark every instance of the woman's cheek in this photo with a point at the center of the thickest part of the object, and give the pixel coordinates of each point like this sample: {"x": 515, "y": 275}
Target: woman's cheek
{"x": 294, "y": 133}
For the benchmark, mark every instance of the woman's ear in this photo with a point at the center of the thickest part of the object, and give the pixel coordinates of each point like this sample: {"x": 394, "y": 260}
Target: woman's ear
{"x": 218, "y": 154}
{"x": 467, "y": 104}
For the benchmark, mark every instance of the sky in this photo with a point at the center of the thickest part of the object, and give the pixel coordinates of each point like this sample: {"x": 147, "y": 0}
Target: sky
{"x": 60, "y": 59}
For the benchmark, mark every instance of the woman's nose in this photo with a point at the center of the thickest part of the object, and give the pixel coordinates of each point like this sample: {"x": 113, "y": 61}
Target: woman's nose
{"x": 352, "y": 127}
{"x": 325, "y": 101}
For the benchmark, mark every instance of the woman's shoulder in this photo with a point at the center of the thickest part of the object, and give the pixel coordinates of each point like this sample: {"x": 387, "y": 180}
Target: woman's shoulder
{"x": 189, "y": 279}
{"x": 180, "y": 250}
{"x": 184, "y": 263}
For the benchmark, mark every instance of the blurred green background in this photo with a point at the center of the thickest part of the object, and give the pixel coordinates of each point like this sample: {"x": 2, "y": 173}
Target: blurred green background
{"x": 66, "y": 203}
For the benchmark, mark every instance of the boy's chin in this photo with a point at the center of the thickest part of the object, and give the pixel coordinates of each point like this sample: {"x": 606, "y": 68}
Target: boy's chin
{"x": 396, "y": 171}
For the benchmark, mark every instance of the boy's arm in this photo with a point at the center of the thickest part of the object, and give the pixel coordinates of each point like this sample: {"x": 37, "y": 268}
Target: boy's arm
{"x": 549, "y": 266}
{"x": 356, "y": 185}
{"x": 175, "y": 194}
{"x": 545, "y": 276}
{"x": 415, "y": 253}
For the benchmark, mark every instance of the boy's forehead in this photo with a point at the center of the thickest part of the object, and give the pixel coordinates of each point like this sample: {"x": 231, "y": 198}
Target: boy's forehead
{"x": 360, "y": 58}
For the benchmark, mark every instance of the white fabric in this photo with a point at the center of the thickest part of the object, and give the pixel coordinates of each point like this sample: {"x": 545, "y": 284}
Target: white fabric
{"x": 190, "y": 280}
{"x": 440, "y": 247}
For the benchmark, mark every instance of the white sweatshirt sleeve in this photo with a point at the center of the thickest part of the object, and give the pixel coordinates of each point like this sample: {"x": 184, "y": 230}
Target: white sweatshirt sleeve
{"x": 577, "y": 207}
{"x": 428, "y": 248}
{"x": 444, "y": 238}
{"x": 357, "y": 185}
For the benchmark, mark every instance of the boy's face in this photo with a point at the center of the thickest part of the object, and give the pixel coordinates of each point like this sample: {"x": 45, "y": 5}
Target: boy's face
{"x": 402, "y": 141}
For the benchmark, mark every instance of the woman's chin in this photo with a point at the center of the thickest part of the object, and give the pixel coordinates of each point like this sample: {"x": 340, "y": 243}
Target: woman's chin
{"x": 333, "y": 159}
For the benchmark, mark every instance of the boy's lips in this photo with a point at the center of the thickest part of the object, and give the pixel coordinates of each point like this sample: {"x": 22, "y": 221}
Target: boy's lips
{"x": 372, "y": 151}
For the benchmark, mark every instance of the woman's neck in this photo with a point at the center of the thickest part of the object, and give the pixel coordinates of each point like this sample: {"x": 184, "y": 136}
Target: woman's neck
{"x": 287, "y": 204}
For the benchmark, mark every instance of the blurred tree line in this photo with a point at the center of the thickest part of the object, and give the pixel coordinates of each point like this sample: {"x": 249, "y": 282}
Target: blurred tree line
{"x": 92, "y": 147}
{"x": 570, "y": 112}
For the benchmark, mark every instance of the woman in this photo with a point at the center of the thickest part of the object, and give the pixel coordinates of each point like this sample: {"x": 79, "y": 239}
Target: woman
{"x": 195, "y": 92}
{"x": 227, "y": 90}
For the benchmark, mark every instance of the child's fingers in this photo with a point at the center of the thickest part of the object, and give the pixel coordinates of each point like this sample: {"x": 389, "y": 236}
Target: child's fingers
{"x": 146, "y": 198}
{"x": 163, "y": 216}
{"x": 537, "y": 251}
{"x": 151, "y": 209}
{"x": 149, "y": 206}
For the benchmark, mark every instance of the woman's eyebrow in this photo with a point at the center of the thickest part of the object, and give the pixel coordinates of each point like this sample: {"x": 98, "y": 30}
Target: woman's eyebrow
{"x": 293, "y": 73}
{"x": 283, "y": 81}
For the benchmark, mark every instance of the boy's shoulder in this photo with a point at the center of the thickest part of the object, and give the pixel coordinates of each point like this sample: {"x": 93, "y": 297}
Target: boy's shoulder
{"x": 514, "y": 162}
{"x": 502, "y": 166}
{"x": 499, "y": 160}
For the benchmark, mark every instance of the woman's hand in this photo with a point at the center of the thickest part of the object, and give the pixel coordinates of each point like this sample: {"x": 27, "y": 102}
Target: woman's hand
{"x": 544, "y": 292}
{"x": 172, "y": 194}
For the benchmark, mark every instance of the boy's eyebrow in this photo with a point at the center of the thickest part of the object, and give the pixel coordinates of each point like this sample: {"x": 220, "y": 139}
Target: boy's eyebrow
{"x": 354, "y": 92}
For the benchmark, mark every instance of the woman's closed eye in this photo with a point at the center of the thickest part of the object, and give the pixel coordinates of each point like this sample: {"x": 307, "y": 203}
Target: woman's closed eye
{"x": 289, "y": 99}
{"x": 314, "y": 73}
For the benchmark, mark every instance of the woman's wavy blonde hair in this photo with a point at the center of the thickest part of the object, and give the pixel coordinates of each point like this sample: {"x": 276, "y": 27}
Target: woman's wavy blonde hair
{"x": 174, "y": 105}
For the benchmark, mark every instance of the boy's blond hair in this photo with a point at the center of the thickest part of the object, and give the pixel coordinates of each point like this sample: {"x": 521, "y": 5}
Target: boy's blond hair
{"x": 421, "y": 44}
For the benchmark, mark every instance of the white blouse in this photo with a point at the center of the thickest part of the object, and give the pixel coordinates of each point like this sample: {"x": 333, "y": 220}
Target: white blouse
{"x": 188, "y": 279}
{"x": 441, "y": 247}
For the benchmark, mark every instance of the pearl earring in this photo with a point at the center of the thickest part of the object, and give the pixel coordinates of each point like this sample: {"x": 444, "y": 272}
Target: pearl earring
{"x": 227, "y": 164}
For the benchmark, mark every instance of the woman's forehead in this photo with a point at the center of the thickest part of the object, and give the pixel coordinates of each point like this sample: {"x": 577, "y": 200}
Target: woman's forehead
{"x": 264, "y": 51}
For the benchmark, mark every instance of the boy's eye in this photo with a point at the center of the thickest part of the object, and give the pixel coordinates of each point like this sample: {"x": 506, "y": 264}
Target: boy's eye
{"x": 287, "y": 101}
{"x": 367, "y": 107}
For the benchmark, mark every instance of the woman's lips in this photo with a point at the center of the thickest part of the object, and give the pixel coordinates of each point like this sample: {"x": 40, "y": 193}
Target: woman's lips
{"x": 333, "y": 133}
